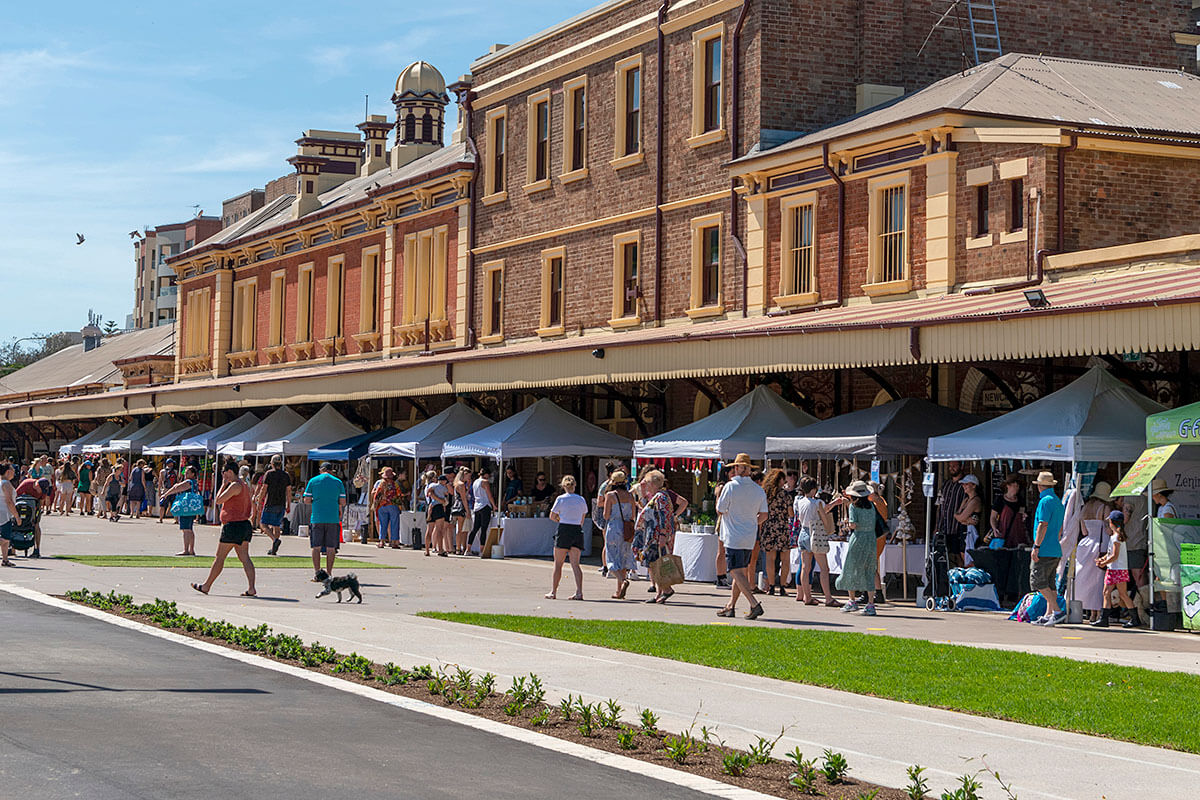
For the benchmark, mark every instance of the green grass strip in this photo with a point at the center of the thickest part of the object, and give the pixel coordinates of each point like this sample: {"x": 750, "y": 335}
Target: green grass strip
{"x": 1137, "y": 705}
{"x": 193, "y": 562}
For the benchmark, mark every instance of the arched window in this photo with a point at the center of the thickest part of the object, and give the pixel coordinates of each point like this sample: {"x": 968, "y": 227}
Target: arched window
{"x": 410, "y": 127}
{"x": 427, "y": 127}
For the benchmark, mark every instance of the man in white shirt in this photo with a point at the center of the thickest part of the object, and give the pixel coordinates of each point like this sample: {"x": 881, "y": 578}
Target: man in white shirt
{"x": 742, "y": 507}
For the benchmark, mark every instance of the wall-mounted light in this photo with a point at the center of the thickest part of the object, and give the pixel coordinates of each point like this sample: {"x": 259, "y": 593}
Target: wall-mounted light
{"x": 1036, "y": 298}
{"x": 237, "y": 387}
{"x": 598, "y": 352}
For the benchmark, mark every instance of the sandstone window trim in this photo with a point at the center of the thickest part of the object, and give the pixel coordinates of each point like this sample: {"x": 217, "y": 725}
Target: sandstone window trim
{"x": 889, "y": 269}
{"x": 495, "y": 125}
{"x": 707, "y": 295}
{"x": 244, "y": 316}
{"x": 627, "y": 252}
{"x": 425, "y": 272}
{"x": 335, "y": 297}
{"x": 554, "y": 293}
{"x": 493, "y": 302}
{"x": 628, "y": 147}
{"x": 198, "y": 324}
{"x": 575, "y": 130}
{"x": 368, "y": 298}
{"x": 798, "y": 255}
{"x": 538, "y": 125}
{"x": 275, "y": 333}
{"x": 708, "y": 86}
{"x": 305, "y": 284}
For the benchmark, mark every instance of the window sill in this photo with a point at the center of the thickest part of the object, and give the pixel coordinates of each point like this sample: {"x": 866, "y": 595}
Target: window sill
{"x": 1012, "y": 237}
{"x": 333, "y": 345}
{"x": 706, "y": 311}
{"x": 571, "y": 177}
{"x": 495, "y": 338}
{"x": 546, "y": 333}
{"x": 891, "y": 287}
{"x": 537, "y": 186}
{"x": 493, "y": 199}
{"x": 628, "y": 161}
{"x": 303, "y": 350}
{"x": 706, "y": 138}
{"x": 979, "y": 242}
{"x": 797, "y": 300}
{"x": 624, "y": 322}
{"x": 242, "y": 358}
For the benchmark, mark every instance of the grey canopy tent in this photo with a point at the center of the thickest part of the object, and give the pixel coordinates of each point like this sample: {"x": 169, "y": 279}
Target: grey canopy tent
{"x": 103, "y": 433}
{"x": 278, "y": 424}
{"x": 148, "y": 433}
{"x": 165, "y": 445}
{"x": 740, "y": 427}
{"x": 100, "y": 443}
{"x": 425, "y": 439}
{"x": 898, "y": 428}
{"x": 208, "y": 441}
{"x": 541, "y": 430}
{"x": 326, "y": 426}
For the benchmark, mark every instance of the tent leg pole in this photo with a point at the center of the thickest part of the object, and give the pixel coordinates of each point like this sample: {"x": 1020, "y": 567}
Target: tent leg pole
{"x": 928, "y": 538}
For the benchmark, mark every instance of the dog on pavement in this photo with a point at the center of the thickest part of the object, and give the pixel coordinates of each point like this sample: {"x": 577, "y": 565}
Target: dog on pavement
{"x": 339, "y": 584}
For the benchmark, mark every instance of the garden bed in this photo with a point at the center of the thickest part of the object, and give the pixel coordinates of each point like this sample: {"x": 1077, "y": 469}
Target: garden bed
{"x": 604, "y": 726}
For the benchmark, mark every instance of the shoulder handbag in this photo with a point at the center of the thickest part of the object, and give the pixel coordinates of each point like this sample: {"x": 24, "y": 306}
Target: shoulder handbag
{"x": 188, "y": 504}
{"x": 627, "y": 527}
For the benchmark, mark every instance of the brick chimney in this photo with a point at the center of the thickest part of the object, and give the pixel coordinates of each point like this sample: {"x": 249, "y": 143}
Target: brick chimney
{"x": 308, "y": 176}
{"x": 375, "y": 132}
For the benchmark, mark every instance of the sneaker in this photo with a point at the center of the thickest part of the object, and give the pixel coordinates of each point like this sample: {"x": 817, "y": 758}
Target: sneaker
{"x": 869, "y": 611}
{"x": 36, "y": 553}
{"x": 850, "y": 607}
{"x": 1055, "y": 619}
{"x": 1042, "y": 619}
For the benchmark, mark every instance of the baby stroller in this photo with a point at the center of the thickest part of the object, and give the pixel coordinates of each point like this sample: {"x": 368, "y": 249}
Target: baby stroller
{"x": 937, "y": 577}
{"x": 28, "y": 513}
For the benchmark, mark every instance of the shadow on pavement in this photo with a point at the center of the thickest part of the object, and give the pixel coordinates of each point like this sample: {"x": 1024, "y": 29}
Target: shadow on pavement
{"x": 92, "y": 687}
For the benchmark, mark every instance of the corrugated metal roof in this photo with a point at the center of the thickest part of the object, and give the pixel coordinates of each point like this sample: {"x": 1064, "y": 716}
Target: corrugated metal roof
{"x": 71, "y": 366}
{"x": 279, "y": 210}
{"x": 1064, "y": 91}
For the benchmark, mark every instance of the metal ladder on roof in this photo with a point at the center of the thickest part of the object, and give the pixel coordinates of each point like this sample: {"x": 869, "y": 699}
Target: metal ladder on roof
{"x": 985, "y": 30}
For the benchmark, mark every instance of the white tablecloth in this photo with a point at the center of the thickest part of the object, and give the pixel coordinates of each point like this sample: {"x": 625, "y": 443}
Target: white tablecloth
{"x": 408, "y": 521}
{"x": 699, "y": 554}
{"x": 892, "y": 560}
{"x": 534, "y": 536}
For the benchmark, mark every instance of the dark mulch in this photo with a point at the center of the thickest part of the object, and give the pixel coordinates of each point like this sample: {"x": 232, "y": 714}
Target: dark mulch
{"x": 770, "y": 778}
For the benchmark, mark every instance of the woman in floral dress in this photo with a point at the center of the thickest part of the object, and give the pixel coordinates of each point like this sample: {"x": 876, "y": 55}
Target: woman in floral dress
{"x": 655, "y": 527}
{"x": 774, "y": 536}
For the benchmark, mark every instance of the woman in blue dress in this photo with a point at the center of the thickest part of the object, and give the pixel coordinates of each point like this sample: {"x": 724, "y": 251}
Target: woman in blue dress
{"x": 618, "y": 508}
{"x": 861, "y": 561}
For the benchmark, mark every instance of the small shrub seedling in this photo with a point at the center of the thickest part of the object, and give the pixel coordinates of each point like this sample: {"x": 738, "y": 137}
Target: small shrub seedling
{"x": 649, "y": 721}
{"x": 735, "y": 763}
{"x": 627, "y": 738}
{"x": 918, "y": 784}
{"x": 678, "y": 748}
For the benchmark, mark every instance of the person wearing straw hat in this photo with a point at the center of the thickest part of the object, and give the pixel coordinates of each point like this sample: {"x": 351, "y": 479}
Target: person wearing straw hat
{"x": 1161, "y": 495}
{"x": 1047, "y": 550}
{"x": 860, "y": 563}
{"x": 742, "y": 507}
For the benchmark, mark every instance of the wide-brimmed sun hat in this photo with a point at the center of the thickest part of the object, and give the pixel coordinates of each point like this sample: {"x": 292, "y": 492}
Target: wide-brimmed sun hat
{"x": 1159, "y": 486}
{"x": 859, "y": 489}
{"x": 742, "y": 460}
{"x": 1046, "y": 478}
{"x": 1102, "y": 491}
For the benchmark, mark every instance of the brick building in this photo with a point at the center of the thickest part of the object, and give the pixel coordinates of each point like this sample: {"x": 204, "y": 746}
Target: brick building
{"x": 154, "y": 279}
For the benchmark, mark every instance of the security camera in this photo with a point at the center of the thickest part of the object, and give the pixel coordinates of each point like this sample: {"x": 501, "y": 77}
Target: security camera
{"x": 598, "y": 352}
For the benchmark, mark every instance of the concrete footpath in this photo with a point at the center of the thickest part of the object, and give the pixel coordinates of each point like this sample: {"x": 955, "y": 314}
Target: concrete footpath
{"x": 879, "y": 737}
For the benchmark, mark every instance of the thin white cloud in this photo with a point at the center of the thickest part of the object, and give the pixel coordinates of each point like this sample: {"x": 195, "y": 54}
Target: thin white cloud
{"x": 235, "y": 161}
{"x": 21, "y": 71}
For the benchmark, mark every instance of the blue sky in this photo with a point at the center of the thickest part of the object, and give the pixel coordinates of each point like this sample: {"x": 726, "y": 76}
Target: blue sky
{"x": 115, "y": 116}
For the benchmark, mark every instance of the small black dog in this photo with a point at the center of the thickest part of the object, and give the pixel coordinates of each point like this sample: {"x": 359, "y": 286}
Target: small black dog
{"x": 339, "y": 584}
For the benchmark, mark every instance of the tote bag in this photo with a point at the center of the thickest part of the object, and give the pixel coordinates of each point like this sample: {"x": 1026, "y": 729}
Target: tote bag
{"x": 188, "y": 504}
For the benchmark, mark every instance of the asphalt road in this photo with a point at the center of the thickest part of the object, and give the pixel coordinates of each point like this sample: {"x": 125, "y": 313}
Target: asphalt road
{"x": 90, "y": 710}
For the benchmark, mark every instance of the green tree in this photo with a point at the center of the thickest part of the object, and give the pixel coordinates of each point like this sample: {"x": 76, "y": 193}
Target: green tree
{"x": 22, "y": 352}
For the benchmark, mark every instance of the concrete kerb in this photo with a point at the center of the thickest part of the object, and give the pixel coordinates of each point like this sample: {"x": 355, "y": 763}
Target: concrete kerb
{"x": 613, "y": 760}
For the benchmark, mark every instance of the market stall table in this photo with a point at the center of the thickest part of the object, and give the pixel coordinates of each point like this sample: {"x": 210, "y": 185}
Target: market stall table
{"x": 408, "y": 521}
{"x": 699, "y": 554}
{"x": 892, "y": 560}
{"x": 534, "y": 536}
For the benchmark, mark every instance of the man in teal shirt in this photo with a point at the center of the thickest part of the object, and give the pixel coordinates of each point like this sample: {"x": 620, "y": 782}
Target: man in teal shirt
{"x": 1047, "y": 550}
{"x": 327, "y": 494}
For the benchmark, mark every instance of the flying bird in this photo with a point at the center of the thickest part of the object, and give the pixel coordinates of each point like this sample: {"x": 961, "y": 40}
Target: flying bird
{"x": 134, "y": 235}
{"x": 79, "y": 236}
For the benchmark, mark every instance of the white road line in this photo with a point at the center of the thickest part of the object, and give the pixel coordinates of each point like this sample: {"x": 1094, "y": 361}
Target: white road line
{"x": 541, "y": 740}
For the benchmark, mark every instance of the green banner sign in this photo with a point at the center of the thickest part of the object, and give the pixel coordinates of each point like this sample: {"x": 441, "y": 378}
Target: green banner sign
{"x": 1177, "y": 426}
{"x": 1143, "y": 470}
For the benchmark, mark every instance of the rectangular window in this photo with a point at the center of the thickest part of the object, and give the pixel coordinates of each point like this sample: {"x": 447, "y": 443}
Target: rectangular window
{"x": 710, "y": 266}
{"x": 712, "y": 84}
{"x": 633, "y": 111}
{"x": 575, "y": 126}
{"x": 553, "y": 294}
{"x": 493, "y": 302}
{"x": 197, "y": 322}
{"x": 245, "y": 313}
{"x": 335, "y": 297}
{"x": 888, "y": 248}
{"x": 368, "y": 315}
{"x": 798, "y": 272}
{"x": 629, "y": 279}
{"x": 541, "y": 141}
{"x": 707, "y": 85}
{"x": 627, "y": 129}
{"x": 1016, "y": 205}
{"x": 496, "y": 153}
{"x": 278, "y": 303}
{"x": 981, "y": 210}
{"x": 304, "y": 305}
